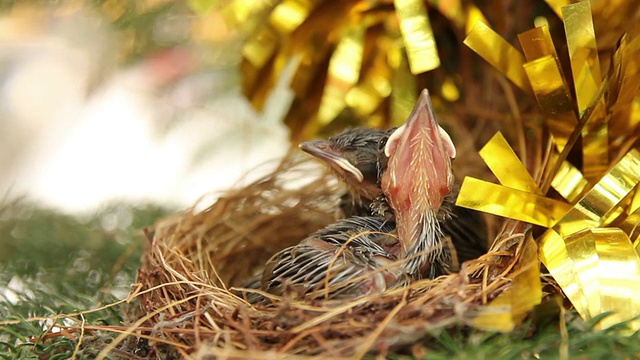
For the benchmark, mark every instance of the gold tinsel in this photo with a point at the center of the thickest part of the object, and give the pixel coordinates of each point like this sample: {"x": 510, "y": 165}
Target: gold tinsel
{"x": 355, "y": 61}
{"x": 591, "y": 244}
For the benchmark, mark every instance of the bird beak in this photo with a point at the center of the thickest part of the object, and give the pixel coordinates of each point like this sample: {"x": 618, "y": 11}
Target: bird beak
{"x": 418, "y": 174}
{"x": 323, "y": 150}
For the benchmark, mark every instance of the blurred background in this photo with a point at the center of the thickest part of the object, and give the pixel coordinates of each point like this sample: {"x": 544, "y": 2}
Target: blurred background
{"x": 136, "y": 101}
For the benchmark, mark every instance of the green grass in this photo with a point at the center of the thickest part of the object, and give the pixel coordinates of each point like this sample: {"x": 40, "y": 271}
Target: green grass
{"x": 59, "y": 264}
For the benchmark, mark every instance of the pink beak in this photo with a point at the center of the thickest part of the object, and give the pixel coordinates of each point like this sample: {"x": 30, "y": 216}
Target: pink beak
{"x": 418, "y": 174}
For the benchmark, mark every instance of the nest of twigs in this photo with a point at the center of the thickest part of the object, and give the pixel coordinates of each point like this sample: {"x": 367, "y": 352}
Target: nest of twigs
{"x": 195, "y": 260}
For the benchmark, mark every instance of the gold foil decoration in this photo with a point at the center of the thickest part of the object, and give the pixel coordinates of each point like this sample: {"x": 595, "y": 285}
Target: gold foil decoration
{"x": 247, "y": 15}
{"x": 581, "y": 248}
{"x": 603, "y": 197}
{"x": 404, "y": 94}
{"x": 595, "y": 142}
{"x": 551, "y": 92}
{"x": 548, "y": 83}
{"x": 511, "y": 306}
{"x": 537, "y": 43}
{"x": 596, "y": 264}
{"x": 583, "y": 52}
{"x": 289, "y": 14}
{"x": 585, "y": 67}
{"x": 474, "y": 15}
{"x": 554, "y": 256}
{"x": 557, "y": 5}
{"x": 598, "y": 270}
{"x": 619, "y": 277}
{"x": 569, "y": 181}
{"x": 418, "y": 35}
{"x": 260, "y": 48}
{"x": 507, "y": 202}
{"x": 344, "y": 72}
{"x": 505, "y": 165}
{"x": 623, "y": 93}
{"x": 499, "y": 53}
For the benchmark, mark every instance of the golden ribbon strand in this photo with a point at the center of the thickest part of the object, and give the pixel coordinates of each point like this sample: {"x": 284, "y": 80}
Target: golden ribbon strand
{"x": 514, "y": 204}
{"x": 505, "y": 165}
{"x": 418, "y": 35}
{"x": 499, "y": 53}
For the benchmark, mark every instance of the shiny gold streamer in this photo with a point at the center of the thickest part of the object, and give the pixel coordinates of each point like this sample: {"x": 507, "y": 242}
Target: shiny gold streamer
{"x": 404, "y": 96}
{"x": 499, "y": 53}
{"x": 603, "y": 197}
{"x": 247, "y": 15}
{"x": 583, "y": 52}
{"x": 581, "y": 248}
{"x": 619, "y": 277}
{"x": 289, "y": 15}
{"x": 556, "y": 5}
{"x": 595, "y": 142}
{"x": 554, "y": 256}
{"x": 418, "y": 35}
{"x": 548, "y": 83}
{"x": 344, "y": 72}
{"x": 505, "y": 165}
{"x": 515, "y": 204}
{"x": 623, "y": 93}
{"x": 554, "y": 99}
{"x": 598, "y": 270}
{"x": 585, "y": 66}
{"x": 537, "y": 43}
{"x": 474, "y": 15}
{"x": 569, "y": 181}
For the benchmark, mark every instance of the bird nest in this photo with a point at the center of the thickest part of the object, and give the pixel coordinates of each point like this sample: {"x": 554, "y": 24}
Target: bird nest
{"x": 197, "y": 261}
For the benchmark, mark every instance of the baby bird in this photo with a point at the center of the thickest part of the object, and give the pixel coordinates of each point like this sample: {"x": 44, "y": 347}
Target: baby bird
{"x": 352, "y": 257}
{"x": 411, "y": 168}
{"x": 417, "y": 181}
{"x": 353, "y": 155}
{"x": 357, "y": 156}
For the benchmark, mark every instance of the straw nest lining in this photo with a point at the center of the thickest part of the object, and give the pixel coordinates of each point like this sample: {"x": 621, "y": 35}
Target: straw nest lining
{"x": 195, "y": 259}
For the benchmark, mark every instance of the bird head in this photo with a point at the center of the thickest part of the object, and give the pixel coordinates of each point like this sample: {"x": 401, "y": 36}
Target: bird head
{"x": 353, "y": 155}
{"x": 418, "y": 176}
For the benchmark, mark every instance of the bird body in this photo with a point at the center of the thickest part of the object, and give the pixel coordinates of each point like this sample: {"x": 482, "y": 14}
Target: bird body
{"x": 362, "y": 151}
{"x": 351, "y": 256}
{"x": 402, "y": 180}
{"x": 417, "y": 180}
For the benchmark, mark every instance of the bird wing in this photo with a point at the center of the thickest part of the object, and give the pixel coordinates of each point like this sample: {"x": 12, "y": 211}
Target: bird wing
{"x": 317, "y": 268}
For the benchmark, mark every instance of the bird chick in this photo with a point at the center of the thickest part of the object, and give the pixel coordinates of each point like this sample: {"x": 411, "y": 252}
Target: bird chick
{"x": 416, "y": 182}
{"x": 352, "y": 257}
{"x": 353, "y": 155}
{"x": 358, "y": 157}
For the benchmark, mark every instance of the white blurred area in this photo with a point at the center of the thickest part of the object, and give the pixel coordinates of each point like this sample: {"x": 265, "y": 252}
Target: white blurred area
{"x": 76, "y": 130}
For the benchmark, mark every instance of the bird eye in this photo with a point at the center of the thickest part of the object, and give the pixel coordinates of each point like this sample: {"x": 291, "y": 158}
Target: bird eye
{"x": 382, "y": 143}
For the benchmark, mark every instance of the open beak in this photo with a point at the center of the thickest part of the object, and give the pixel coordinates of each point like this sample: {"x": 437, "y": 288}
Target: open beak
{"x": 418, "y": 174}
{"x": 323, "y": 150}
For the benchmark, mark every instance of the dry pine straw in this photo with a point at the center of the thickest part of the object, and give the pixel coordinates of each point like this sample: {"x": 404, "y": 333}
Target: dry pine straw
{"x": 195, "y": 258}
